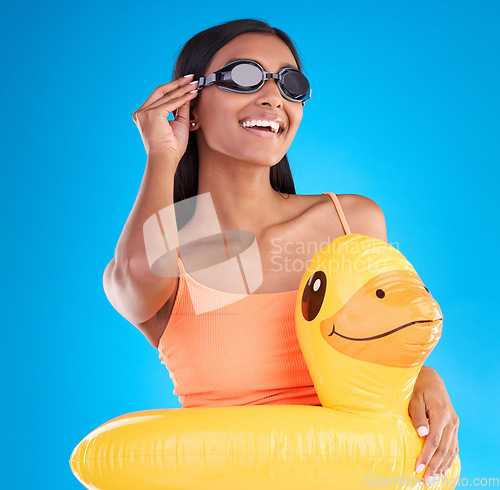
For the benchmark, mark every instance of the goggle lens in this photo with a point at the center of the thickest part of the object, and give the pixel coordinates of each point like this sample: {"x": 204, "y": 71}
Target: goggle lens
{"x": 296, "y": 84}
{"x": 246, "y": 75}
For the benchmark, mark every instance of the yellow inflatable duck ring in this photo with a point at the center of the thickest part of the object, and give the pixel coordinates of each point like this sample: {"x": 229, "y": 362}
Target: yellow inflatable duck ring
{"x": 365, "y": 324}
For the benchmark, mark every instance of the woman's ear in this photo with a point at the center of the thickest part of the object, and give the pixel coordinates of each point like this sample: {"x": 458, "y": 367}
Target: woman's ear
{"x": 193, "y": 121}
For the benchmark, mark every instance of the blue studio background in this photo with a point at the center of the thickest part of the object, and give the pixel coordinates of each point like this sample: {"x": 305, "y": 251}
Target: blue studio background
{"x": 404, "y": 110}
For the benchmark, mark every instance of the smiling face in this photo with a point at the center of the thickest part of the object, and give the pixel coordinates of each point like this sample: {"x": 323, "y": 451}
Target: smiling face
{"x": 222, "y": 118}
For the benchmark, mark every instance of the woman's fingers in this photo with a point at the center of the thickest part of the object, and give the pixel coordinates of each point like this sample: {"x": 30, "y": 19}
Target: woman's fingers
{"x": 171, "y": 101}
{"x": 418, "y": 414}
{"x": 165, "y": 89}
{"x": 431, "y": 444}
{"x": 440, "y": 450}
{"x": 452, "y": 454}
{"x": 441, "y": 445}
{"x": 162, "y": 109}
{"x": 174, "y": 95}
{"x": 172, "y": 104}
{"x": 182, "y": 113}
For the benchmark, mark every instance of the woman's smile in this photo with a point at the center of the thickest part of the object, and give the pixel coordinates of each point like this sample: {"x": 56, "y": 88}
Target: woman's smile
{"x": 263, "y": 126}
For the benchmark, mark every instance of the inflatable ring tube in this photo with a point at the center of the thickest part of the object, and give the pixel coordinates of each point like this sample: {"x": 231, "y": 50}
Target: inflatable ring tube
{"x": 365, "y": 323}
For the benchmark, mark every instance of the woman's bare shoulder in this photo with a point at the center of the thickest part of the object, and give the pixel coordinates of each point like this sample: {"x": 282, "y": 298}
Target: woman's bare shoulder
{"x": 363, "y": 215}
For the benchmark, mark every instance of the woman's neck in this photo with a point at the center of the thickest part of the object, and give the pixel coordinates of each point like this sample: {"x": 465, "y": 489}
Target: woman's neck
{"x": 241, "y": 193}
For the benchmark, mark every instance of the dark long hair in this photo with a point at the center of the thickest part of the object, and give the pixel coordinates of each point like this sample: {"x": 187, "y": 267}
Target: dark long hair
{"x": 195, "y": 57}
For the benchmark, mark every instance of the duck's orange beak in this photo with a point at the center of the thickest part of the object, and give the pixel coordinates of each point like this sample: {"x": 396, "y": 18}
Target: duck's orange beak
{"x": 392, "y": 320}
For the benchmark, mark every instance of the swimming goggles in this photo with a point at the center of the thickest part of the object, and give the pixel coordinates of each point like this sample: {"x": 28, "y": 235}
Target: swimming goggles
{"x": 247, "y": 77}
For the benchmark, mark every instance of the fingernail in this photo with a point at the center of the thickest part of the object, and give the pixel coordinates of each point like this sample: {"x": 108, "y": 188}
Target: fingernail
{"x": 447, "y": 471}
{"x": 190, "y": 75}
{"x": 193, "y": 91}
{"x": 422, "y": 431}
{"x": 191, "y": 83}
{"x": 420, "y": 467}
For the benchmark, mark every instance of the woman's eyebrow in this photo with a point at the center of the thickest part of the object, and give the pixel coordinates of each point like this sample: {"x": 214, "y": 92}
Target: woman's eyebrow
{"x": 284, "y": 65}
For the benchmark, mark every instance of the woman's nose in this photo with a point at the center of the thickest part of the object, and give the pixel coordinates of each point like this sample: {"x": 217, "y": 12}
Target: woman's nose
{"x": 270, "y": 94}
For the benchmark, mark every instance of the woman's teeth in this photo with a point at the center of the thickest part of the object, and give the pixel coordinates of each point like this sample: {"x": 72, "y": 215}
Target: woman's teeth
{"x": 274, "y": 126}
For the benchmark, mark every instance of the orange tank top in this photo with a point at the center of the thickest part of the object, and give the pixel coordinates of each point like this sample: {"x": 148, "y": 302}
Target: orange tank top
{"x": 244, "y": 353}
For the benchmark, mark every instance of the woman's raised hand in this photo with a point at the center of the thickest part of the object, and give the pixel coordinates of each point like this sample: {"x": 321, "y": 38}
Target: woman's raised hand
{"x": 158, "y": 134}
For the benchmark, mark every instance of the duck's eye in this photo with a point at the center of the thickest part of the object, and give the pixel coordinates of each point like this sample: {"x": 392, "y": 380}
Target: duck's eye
{"x": 380, "y": 293}
{"x": 313, "y": 295}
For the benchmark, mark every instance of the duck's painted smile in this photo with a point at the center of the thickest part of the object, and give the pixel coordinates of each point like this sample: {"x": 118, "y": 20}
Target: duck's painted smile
{"x": 382, "y": 334}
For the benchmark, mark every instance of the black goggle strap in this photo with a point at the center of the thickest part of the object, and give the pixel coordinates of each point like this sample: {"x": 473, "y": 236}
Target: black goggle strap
{"x": 205, "y": 81}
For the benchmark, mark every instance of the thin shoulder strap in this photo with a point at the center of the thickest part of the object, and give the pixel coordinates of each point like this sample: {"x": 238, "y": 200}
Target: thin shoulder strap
{"x": 340, "y": 212}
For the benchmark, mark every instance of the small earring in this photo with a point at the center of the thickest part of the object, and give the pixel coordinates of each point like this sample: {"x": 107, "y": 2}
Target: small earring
{"x": 193, "y": 124}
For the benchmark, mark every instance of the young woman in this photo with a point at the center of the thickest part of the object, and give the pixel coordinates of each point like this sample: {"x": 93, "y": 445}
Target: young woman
{"x": 229, "y": 138}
